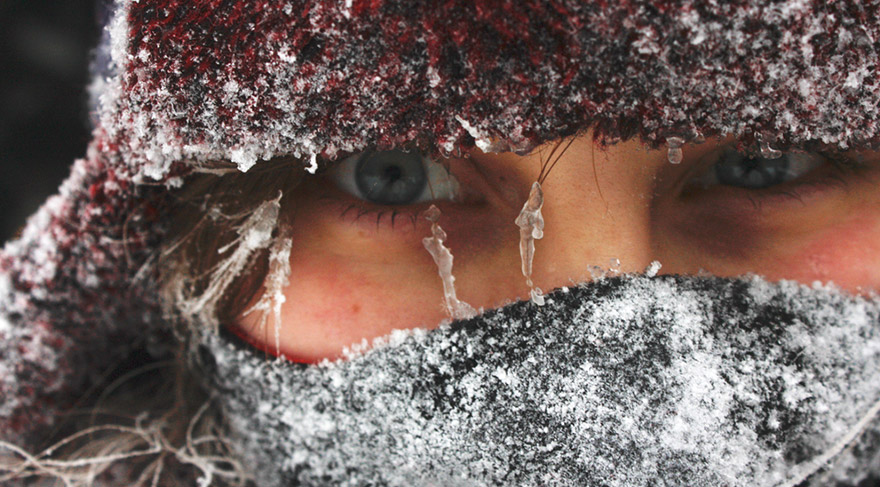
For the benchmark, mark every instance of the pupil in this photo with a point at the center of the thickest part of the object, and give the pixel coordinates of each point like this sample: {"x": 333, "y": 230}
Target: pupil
{"x": 391, "y": 177}
{"x": 393, "y": 173}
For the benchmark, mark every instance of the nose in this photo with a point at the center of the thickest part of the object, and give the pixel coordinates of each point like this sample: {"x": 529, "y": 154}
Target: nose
{"x": 597, "y": 213}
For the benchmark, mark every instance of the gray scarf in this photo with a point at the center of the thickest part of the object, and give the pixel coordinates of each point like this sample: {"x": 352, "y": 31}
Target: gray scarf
{"x": 626, "y": 381}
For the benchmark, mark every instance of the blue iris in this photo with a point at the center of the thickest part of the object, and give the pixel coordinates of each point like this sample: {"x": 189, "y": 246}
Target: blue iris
{"x": 736, "y": 169}
{"x": 391, "y": 177}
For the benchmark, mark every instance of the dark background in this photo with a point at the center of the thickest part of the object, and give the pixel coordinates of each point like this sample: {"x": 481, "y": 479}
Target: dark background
{"x": 45, "y": 50}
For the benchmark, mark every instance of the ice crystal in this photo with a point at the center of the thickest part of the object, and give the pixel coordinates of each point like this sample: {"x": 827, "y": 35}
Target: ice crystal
{"x": 768, "y": 152}
{"x": 312, "y": 168}
{"x": 674, "y": 153}
{"x": 531, "y": 227}
{"x": 275, "y": 283}
{"x": 653, "y": 269}
{"x": 456, "y": 308}
{"x": 614, "y": 266}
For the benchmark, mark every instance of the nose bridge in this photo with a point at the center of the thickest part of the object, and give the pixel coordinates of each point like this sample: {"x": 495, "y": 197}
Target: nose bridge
{"x": 597, "y": 210}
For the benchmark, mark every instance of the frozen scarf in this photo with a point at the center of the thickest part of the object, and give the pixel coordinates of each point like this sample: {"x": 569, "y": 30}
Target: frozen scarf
{"x": 628, "y": 381}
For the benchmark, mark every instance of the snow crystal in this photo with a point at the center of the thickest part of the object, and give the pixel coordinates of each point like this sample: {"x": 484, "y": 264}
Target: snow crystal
{"x": 313, "y": 164}
{"x": 243, "y": 157}
{"x": 231, "y": 87}
{"x": 119, "y": 32}
{"x": 629, "y": 381}
{"x": 531, "y": 227}
{"x": 653, "y": 269}
{"x": 176, "y": 182}
{"x": 456, "y": 308}
{"x": 434, "y": 80}
{"x": 5, "y": 326}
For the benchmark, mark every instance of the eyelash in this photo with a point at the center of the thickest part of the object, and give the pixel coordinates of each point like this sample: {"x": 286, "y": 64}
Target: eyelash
{"x": 394, "y": 215}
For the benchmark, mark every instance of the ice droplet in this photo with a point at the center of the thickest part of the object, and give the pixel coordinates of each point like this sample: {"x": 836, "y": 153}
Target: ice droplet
{"x": 674, "y": 153}
{"x": 432, "y": 214}
{"x": 653, "y": 269}
{"x": 537, "y": 296}
{"x": 457, "y": 309}
{"x": 768, "y": 152}
{"x": 596, "y": 273}
{"x": 531, "y": 227}
{"x": 614, "y": 266}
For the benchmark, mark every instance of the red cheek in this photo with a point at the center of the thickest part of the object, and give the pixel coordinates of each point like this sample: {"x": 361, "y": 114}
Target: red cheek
{"x": 847, "y": 253}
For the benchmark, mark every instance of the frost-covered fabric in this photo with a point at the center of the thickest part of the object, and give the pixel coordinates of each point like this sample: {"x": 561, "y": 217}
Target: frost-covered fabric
{"x": 630, "y": 381}
{"x": 249, "y": 79}
{"x": 71, "y": 301}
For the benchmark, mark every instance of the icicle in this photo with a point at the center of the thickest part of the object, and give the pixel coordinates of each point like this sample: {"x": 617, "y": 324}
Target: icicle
{"x": 484, "y": 141}
{"x": 675, "y": 154}
{"x": 531, "y": 227}
{"x": 458, "y": 310}
{"x": 276, "y": 282}
{"x": 523, "y": 146}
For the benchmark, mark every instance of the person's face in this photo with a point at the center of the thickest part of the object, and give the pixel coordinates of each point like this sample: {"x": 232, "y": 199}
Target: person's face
{"x": 359, "y": 268}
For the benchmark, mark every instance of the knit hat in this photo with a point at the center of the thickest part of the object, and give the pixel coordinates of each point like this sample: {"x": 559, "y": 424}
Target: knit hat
{"x": 187, "y": 83}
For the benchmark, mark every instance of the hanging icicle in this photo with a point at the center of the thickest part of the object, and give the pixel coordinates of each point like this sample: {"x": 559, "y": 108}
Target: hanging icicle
{"x": 458, "y": 310}
{"x": 531, "y": 228}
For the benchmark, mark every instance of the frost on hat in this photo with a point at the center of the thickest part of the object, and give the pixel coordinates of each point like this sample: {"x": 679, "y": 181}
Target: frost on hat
{"x": 247, "y": 80}
{"x": 190, "y": 82}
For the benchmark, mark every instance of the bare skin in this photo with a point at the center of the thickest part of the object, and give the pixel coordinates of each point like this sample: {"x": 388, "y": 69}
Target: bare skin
{"x": 357, "y": 276}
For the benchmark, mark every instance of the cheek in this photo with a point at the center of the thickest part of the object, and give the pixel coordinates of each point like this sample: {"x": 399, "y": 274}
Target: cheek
{"x": 334, "y": 302}
{"x": 847, "y": 253}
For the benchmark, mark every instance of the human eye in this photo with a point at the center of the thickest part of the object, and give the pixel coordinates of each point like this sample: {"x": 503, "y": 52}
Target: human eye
{"x": 738, "y": 180}
{"x": 781, "y": 215}
{"x": 736, "y": 169}
{"x": 378, "y": 191}
{"x": 395, "y": 177}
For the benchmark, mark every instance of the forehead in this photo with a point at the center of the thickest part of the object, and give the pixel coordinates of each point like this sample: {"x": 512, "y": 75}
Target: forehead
{"x": 247, "y": 80}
